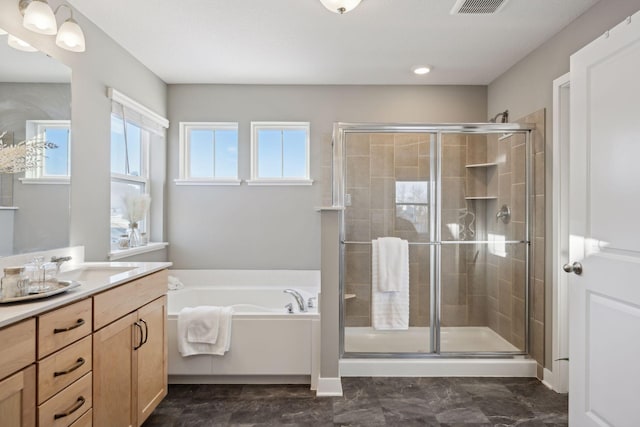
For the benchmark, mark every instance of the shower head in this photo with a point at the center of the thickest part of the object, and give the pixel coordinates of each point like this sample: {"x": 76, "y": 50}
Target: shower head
{"x": 505, "y": 117}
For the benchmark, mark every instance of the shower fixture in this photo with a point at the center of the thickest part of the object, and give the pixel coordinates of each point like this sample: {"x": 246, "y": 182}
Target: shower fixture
{"x": 504, "y": 119}
{"x": 504, "y": 214}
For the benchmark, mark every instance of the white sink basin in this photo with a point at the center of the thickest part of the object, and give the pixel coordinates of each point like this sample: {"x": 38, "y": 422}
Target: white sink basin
{"x": 93, "y": 273}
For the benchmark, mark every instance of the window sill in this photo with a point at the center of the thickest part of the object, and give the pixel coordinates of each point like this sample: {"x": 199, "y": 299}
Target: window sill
{"x": 65, "y": 180}
{"x": 124, "y": 253}
{"x": 207, "y": 181}
{"x": 280, "y": 182}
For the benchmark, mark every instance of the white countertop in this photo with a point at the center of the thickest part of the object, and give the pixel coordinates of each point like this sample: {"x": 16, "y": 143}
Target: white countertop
{"x": 14, "y": 312}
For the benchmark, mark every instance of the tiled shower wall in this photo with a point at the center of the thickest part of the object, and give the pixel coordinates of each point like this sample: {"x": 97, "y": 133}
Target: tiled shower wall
{"x": 374, "y": 163}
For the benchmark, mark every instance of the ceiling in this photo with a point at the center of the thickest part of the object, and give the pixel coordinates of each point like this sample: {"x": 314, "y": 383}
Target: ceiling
{"x": 301, "y": 42}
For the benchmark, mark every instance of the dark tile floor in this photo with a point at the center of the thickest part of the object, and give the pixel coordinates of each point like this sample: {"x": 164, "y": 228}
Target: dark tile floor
{"x": 370, "y": 402}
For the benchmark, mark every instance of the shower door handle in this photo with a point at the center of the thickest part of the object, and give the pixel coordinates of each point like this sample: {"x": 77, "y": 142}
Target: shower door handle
{"x": 576, "y": 268}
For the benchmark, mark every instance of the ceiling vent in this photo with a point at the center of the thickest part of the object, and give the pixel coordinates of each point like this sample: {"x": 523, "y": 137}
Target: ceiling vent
{"x": 470, "y": 7}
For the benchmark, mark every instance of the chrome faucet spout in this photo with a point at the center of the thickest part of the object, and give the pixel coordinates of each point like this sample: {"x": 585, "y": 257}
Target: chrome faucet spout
{"x": 299, "y": 299}
{"x": 58, "y": 260}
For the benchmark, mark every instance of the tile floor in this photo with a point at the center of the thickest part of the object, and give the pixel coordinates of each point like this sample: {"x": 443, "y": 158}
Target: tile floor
{"x": 369, "y": 402}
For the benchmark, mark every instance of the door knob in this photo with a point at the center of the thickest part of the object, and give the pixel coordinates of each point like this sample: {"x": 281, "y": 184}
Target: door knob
{"x": 576, "y": 267}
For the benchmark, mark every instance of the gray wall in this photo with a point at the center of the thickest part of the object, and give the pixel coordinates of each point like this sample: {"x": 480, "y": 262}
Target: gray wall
{"x": 42, "y": 222}
{"x": 104, "y": 64}
{"x": 527, "y": 87}
{"x": 250, "y": 227}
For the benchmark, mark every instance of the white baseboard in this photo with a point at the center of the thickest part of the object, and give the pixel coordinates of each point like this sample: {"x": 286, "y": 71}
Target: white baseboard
{"x": 438, "y": 367}
{"x": 329, "y": 387}
{"x": 239, "y": 379}
{"x": 548, "y": 378}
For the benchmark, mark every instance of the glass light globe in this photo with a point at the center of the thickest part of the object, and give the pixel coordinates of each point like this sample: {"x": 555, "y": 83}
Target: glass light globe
{"x": 39, "y": 18}
{"x": 71, "y": 37}
{"x": 340, "y": 6}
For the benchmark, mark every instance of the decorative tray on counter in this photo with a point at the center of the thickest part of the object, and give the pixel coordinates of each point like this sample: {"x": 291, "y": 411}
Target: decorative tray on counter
{"x": 60, "y": 287}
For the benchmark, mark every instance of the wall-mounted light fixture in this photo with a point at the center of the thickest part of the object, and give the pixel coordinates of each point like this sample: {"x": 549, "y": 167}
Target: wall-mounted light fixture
{"x": 20, "y": 44}
{"x": 340, "y": 6}
{"x": 39, "y": 18}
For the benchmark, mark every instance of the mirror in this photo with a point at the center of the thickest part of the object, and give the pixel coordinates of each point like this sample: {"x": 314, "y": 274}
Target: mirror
{"x": 35, "y": 105}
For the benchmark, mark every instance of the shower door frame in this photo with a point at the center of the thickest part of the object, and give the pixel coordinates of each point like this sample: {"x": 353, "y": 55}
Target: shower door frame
{"x": 338, "y": 172}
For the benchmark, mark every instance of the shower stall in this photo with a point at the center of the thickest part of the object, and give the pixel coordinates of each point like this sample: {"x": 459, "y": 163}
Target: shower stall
{"x": 460, "y": 195}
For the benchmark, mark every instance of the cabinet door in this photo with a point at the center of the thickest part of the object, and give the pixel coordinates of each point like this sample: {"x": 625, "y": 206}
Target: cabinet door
{"x": 113, "y": 373}
{"x": 152, "y": 358}
{"x": 18, "y": 399}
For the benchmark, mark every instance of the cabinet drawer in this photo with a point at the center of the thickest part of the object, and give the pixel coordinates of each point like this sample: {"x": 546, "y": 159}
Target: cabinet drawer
{"x": 63, "y": 367}
{"x": 117, "y": 302}
{"x": 68, "y": 405}
{"x": 63, "y": 326}
{"x": 18, "y": 347}
{"x": 84, "y": 421}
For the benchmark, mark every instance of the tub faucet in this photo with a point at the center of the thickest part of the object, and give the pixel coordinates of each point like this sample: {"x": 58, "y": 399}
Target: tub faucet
{"x": 295, "y": 294}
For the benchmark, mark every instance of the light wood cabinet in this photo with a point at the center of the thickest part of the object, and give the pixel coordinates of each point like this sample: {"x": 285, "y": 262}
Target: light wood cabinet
{"x": 18, "y": 399}
{"x": 152, "y": 359}
{"x": 99, "y": 361}
{"x": 18, "y": 375}
{"x": 130, "y": 366}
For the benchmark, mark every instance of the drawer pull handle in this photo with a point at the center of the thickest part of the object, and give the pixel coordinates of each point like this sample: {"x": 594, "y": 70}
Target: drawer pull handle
{"x": 140, "y": 342}
{"x": 78, "y": 323}
{"x": 146, "y": 332}
{"x": 75, "y": 366}
{"x": 71, "y": 410}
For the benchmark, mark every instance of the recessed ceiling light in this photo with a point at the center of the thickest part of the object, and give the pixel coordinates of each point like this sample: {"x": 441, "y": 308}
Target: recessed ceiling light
{"x": 421, "y": 69}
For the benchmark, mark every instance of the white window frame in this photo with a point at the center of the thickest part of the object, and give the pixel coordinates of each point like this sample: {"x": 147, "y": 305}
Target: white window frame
{"x": 143, "y": 178}
{"x": 36, "y": 175}
{"x": 255, "y": 178}
{"x": 185, "y": 160}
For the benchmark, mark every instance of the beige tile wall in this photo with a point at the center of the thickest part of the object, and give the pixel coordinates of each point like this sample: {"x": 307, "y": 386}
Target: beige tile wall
{"x": 374, "y": 163}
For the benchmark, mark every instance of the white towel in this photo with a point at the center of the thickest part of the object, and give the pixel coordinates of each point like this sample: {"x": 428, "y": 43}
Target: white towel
{"x": 393, "y": 256}
{"x": 223, "y": 341}
{"x": 390, "y": 310}
{"x": 202, "y": 324}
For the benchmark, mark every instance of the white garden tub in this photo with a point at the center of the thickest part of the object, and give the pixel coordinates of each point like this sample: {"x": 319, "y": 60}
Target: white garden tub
{"x": 268, "y": 345}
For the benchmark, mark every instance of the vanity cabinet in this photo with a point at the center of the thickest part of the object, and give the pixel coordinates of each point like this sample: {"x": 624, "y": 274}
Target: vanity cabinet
{"x": 18, "y": 375}
{"x": 99, "y": 361}
{"x": 130, "y": 351}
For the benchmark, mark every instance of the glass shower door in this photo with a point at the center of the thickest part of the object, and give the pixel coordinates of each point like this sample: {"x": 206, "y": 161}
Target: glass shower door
{"x": 388, "y": 192}
{"x": 483, "y": 274}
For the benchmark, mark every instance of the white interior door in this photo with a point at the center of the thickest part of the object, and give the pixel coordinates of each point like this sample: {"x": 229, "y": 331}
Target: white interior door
{"x": 604, "y": 212}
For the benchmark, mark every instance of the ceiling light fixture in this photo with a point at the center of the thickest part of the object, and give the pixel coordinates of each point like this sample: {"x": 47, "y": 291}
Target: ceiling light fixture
{"x": 39, "y": 18}
{"x": 340, "y": 6}
{"x": 421, "y": 70}
{"x": 19, "y": 44}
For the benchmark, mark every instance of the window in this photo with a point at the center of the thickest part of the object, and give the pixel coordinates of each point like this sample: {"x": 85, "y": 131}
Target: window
{"x": 52, "y": 164}
{"x": 280, "y": 153}
{"x": 412, "y": 206}
{"x": 208, "y": 154}
{"x": 129, "y": 171}
{"x": 138, "y": 169}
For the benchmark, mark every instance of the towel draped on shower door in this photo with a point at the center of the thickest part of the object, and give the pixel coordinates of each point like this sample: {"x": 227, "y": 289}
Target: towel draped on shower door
{"x": 390, "y": 283}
